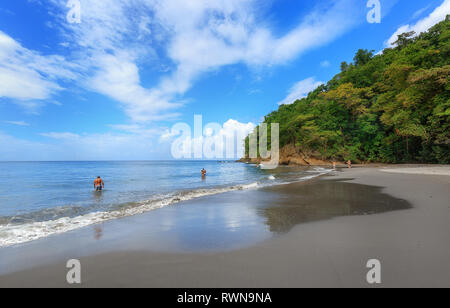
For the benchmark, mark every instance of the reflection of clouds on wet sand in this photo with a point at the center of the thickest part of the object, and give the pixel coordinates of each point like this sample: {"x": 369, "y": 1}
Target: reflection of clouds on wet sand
{"x": 324, "y": 200}
{"x": 244, "y": 218}
{"x": 235, "y": 218}
{"x": 214, "y": 223}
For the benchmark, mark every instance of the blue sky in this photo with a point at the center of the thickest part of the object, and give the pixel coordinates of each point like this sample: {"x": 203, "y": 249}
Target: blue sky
{"x": 112, "y": 86}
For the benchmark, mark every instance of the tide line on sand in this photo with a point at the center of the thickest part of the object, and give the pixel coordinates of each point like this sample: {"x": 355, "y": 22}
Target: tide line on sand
{"x": 441, "y": 170}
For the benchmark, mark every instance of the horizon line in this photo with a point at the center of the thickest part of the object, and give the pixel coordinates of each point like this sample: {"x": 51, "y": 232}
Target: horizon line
{"x": 118, "y": 160}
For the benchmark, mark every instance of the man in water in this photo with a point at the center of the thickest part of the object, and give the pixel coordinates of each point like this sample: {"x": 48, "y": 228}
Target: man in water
{"x": 349, "y": 163}
{"x": 99, "y": 184}
{"x": 203, "y": 173}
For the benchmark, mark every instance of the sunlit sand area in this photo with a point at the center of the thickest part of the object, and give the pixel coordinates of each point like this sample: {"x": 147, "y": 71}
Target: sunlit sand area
{"x": 441, "y": 170}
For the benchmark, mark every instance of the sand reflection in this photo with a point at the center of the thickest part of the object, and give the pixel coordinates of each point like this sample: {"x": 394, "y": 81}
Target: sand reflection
{"x": 324, "y": 200}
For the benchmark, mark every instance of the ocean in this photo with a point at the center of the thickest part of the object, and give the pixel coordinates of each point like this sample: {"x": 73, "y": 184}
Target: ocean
{"x": 39, "y": 199}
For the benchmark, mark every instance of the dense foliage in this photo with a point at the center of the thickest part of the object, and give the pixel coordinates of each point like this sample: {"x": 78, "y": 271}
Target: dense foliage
{"x": 393, "y": 107}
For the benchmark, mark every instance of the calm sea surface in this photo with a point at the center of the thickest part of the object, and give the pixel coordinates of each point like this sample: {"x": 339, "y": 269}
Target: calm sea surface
{"x": 38, "y": 199}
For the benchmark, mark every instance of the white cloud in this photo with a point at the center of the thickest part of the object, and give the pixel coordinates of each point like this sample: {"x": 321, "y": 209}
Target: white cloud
{"x": 114, "y": 37}
{"x": 231, "y": 130}
{"x": 118, "y": 78}
{"x": 300, "y": 90}
{"x": 206, "y": 41}
{"x": 124, "y": 142}
{"x": 62, "y": 136}
{"x": 221, "y": 141}
{"x": 26, "y": 75}
{"x": 118, "y": 39}
{"x": 18, "y": 123}
{"x": 138, "y": 129}
{"x": 13, "y": 149}
{"x": 325, "y": 64}
{"x": 419, "y": 12}
{"x": 424, "y": 24}
{"x": 103, "y": 146}
{"x": 168, "y": 135}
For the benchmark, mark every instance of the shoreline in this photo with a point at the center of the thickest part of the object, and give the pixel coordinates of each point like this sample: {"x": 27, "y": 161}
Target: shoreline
{"x": 412, "y": 243}
{"x": 29, "y": 232}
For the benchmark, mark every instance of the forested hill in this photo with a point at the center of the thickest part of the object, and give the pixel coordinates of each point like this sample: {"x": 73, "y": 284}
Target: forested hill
{"x": 392, "y": 108}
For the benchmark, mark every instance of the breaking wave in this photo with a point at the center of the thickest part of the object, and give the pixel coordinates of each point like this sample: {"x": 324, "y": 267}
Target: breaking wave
{"x": 25, "y": 228}
{"x": 32, "y": 226}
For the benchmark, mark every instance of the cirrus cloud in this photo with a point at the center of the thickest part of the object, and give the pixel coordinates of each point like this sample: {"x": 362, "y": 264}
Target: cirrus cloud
{"x": 300, "y": 90}
{"x": 438, "y": 15}
{"x": 119, "y": 40}
{"x": 26, "y": 75}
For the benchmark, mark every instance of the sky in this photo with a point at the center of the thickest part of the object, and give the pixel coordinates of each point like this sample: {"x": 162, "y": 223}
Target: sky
{"x": 107, "y": 80}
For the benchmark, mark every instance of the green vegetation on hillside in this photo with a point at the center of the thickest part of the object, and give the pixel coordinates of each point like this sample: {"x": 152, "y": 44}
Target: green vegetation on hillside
{"x": 392, "y": 108}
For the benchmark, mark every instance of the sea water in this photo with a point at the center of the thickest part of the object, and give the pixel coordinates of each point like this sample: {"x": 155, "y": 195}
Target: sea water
{"x": 38, "y": 199}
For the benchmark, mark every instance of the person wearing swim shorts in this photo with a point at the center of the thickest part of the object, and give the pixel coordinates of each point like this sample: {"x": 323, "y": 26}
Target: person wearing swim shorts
{"x": 99, "y": 185}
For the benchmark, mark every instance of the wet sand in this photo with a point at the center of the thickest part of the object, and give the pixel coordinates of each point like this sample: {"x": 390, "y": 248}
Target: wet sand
{"x": 319, "y": 233}
{"x": 441, "y": 170}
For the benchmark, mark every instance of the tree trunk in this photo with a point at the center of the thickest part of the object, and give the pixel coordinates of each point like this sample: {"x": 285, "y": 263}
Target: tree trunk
{"x": 407, "y": 145}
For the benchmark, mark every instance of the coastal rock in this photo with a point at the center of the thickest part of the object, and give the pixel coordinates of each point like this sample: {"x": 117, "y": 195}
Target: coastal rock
{"x": 291, "y": 155}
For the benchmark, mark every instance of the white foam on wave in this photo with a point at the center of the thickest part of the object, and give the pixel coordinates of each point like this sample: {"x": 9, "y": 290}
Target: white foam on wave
{"x": 318, "y": 169}
{"x": 249, "y": 186}
{"x": 319, "y": 172}
{"x": 18, "y": 234}
{"x": 310, "y": 177}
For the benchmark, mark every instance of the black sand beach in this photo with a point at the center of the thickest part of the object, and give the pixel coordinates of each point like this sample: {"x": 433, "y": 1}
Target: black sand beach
{"x": 319, "y": 233}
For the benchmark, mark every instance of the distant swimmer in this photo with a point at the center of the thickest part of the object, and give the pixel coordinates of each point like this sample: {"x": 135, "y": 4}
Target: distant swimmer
{"x": 203, "y": 173}
{"x": 99, "y": 184}
{"x": 349, "y": 163}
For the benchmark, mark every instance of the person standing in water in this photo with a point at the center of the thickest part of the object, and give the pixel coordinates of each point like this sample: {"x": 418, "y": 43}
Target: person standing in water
{"x": 203, "y": 173}
{"x": 349, "y": 163}
{"x": 99, "y": 184}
